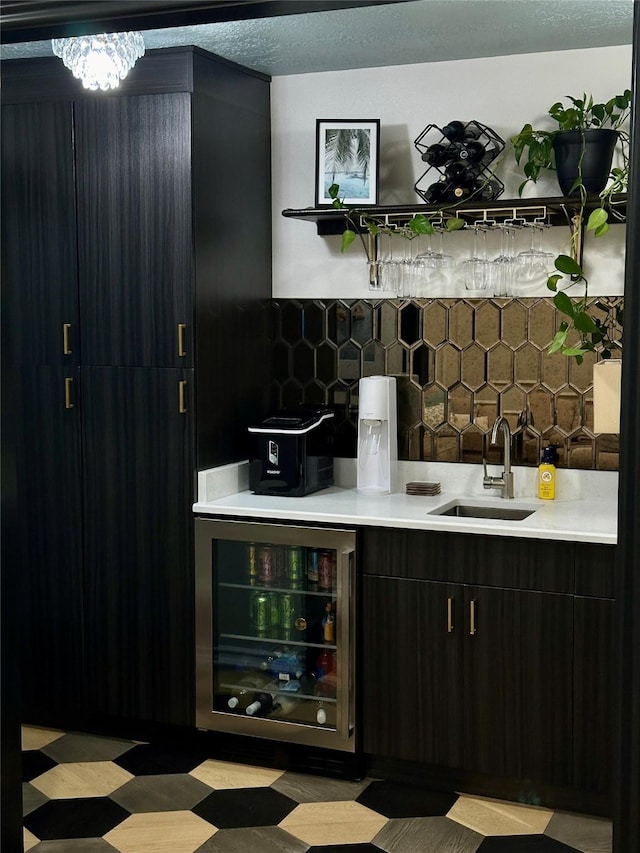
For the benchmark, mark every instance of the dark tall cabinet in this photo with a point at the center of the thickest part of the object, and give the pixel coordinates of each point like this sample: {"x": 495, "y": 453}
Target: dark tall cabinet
{"x": 136, "y": 307}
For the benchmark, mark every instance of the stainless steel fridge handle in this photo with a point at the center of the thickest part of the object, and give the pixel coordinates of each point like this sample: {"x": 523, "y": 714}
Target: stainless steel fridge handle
{"x": 345, "y": 710}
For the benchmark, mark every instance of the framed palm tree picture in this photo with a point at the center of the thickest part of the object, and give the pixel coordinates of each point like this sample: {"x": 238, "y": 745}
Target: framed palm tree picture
{"x": 347, "y": 154}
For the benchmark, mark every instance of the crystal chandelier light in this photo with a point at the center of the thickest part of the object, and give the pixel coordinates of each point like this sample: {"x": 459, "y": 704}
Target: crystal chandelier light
{"x": 100, "y": 61}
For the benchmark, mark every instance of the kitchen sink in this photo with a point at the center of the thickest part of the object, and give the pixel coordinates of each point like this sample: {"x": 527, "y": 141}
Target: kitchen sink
{"x": 459, "y": 509}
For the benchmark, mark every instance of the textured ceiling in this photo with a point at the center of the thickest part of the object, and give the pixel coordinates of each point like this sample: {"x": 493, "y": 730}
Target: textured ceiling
{"x": 417, "y": 31}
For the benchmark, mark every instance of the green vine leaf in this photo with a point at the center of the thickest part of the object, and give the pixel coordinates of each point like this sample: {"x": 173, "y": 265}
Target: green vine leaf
{"x": 568, "y": 266}
{"x": 564, "y": 304}
{"x": 348, "y": 236}
{"x": 420, "y": 224}
{"x": 454, "y": 224}
{"x": 552, "y": 282}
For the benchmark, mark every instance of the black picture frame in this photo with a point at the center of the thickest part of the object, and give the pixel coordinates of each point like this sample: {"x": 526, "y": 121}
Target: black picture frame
{"x": 348, "y": 154}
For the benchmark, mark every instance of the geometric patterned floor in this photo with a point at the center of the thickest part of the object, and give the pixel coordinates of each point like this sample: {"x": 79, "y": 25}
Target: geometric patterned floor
{"x": 88, "y": 794}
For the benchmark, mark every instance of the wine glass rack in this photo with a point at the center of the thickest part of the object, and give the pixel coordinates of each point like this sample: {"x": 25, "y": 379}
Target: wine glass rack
{"x": 552, "y": 211}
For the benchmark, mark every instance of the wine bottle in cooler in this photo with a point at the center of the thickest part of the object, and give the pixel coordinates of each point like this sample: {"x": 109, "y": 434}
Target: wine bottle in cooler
{"x": 321, "y": 713}
{"x": 242, "y": 693}
{"x": 261, "y": 704}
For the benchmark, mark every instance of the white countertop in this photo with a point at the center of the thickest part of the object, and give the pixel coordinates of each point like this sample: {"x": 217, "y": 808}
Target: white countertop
{"x": 585, "y": 509}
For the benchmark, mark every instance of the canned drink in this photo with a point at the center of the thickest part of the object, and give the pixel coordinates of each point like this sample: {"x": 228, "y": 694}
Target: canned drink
{"x": 287, "y": 615}
{"x": 325, "y": 570}
{"x": 267, "y": 567}
{"x": 312, "y": 568}
{"x": 252, "y": 561}
{"x": 274, "y": 613}
{"x": 287, "y": 610}
{"x": 295, "y": 566}
{"x": 260, "y": 614}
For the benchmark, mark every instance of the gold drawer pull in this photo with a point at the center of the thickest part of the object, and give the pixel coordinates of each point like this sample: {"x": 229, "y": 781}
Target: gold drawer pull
{"x": 182, "y": 387}
{"x": 182, "y": 327}
{"x": 66, "y": 328}
{"x": 472, "y": 616}
{"x": 449, "y": 615}
{"x": 68, "y": 403}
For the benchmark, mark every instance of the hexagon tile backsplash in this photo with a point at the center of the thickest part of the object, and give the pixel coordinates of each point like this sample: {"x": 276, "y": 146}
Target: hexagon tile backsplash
{"x": 459, "y": 363}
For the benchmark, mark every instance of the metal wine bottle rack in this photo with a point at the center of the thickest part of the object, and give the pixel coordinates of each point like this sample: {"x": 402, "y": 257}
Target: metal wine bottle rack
{"x": 455, "y": 151}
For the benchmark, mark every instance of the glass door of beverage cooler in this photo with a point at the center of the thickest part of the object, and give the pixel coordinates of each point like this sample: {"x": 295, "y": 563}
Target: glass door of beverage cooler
{"x": 275, "y": 650}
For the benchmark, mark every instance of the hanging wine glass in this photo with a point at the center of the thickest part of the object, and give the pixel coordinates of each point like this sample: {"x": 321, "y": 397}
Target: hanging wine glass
{"x": 388, "y": 268}
{"x": 476, "y": 270}
{"x": 431, "y": 263}
{"x": 503, "y": 265}
{"x": 533, "y": 265}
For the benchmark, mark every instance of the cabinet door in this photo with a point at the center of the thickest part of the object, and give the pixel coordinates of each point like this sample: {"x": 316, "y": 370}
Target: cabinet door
{"x": 134, "y": 227}
{"x": 518, "y": 684}
{"x": 412, "y": 661}
{"x": 593, "y": 694}
{"x": 138, "y": 489}
{"x": 50, "y": 520}
{"x": 39, "y": 266}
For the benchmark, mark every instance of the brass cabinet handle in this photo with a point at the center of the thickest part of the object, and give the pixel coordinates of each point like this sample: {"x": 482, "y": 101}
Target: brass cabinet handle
{"x": 182, "y": 327}
{"x": 449, "y": 615}
{"x": 472, "y": 616}
{"x": 68, "y": 403}
{"x": 66, "y": 328}
{"x": 182, "y": 387}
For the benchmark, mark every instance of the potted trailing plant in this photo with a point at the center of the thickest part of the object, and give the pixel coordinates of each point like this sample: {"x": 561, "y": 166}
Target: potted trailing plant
{"x": 582, "y": 128}
{"x": 569, "y": 149}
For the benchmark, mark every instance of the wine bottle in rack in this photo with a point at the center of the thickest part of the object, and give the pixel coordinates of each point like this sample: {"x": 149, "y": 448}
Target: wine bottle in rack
{"x": 436, "y": 193}
{"x": 454, "y": 131}
{"x": 472, "y": 151}
{"x": 439, "y": 155}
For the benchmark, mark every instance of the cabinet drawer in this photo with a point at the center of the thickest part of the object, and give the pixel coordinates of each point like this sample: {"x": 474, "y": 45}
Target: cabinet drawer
{"x": 595, "y": 570}
{"x": 534, "y": 564}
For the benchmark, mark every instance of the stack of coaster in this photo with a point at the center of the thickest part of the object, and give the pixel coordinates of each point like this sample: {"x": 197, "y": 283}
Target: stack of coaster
{"x": 428, "y": 489}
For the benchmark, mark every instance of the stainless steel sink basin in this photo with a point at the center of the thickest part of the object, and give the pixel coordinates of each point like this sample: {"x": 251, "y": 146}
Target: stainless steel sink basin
{"x": 459, "y": 509}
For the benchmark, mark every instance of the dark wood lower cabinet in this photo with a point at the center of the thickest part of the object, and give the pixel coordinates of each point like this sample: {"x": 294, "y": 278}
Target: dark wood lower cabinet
{"x": 517, "y": 682}
{"x": 412, "y": 672}
{"x": 468, "y": 677}
{"x": 593, "y": 694}
{"x": 491, "y": 657}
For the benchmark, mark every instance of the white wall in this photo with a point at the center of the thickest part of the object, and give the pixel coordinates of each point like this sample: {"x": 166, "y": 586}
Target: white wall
{"x": 501, "y": 92}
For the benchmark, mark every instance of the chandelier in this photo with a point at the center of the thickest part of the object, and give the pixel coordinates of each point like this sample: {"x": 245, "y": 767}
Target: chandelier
{"x": 100, "y": 61}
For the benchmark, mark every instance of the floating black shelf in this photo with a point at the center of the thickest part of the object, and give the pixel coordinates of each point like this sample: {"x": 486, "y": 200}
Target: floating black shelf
{"x": 557, "y": 211}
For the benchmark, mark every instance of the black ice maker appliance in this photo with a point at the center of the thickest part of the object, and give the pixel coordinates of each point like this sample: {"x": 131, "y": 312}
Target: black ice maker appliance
{"x": 292, "y": 453}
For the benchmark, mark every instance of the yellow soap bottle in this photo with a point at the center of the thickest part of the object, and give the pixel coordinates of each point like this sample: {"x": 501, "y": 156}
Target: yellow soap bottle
{"x": 547, "y": 474}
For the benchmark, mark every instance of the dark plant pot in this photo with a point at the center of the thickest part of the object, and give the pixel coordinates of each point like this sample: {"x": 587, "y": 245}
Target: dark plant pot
{"x": 599, "y": 144}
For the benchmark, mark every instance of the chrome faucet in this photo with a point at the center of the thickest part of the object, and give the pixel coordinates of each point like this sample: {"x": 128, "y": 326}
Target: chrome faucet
{"x": 505, "y": 482}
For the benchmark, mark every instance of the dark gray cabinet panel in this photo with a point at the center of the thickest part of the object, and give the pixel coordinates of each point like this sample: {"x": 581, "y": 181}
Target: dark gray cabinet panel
{"x": 518, "y": 684}
{"x": 50, "y": 545}
{"x": 593, "y": 694}
{"x": 138, "y": 544}
{"x": 134, "y": 229}
{"x": 39, "y": 253}
{"x": 412, "y": 684}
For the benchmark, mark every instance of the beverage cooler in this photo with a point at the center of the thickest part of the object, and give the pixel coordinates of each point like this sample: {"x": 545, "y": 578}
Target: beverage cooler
{"x": 275, "y": 629}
